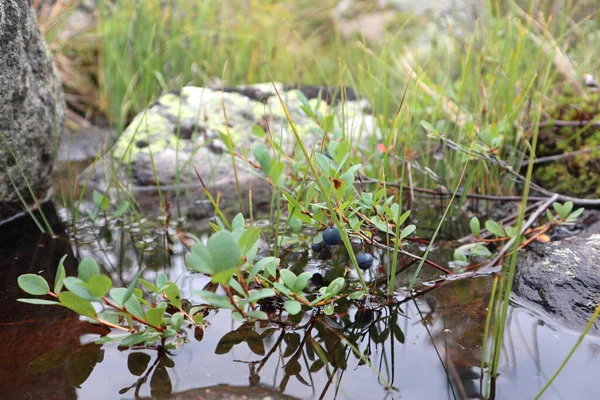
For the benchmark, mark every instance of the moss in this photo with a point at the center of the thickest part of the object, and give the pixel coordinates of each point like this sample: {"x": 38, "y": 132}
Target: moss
{"x": 579, "y": 175}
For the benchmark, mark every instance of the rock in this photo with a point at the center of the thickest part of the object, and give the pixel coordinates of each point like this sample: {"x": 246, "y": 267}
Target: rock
{"x": 423, "y": 21}
{"x": 178, "y": 139}
{"x": 563, "y": 277}
{"x": 228, "y": 392}
{"x": 32, "y": 110}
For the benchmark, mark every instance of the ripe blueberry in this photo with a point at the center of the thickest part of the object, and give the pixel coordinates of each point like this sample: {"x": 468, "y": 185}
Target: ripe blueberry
{"x": 332, "y": 236}
{"x": 364, "y": 260}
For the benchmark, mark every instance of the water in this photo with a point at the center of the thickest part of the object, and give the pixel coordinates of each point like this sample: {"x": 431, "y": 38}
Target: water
{"x": 429, "y": 348}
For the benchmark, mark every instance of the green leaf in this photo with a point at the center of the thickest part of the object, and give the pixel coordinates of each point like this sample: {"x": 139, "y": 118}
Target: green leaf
{"x": 77, "y": 304}
{"x": 40, "y": 302}
{"x": 60, "y": 275}
{"x": 198, "y": 318}
{"x": 475, "y": 227}
{"x": 263, "y": 156}
{"x": 172, "y": 292}
{"x": 169, "y": 333}
{"x": 255, "y": 295}
{"x": 131, "y": 286}
{"x": 238, "y": 222}
{"x": 124, "y": 206}
{"x": 101, "y": 201}
{"x": 427, "y": 126}
{"x": 161, "y": 280}
{"x": 268, "y": 264}
{"x": 407, "y": 231}
{"x": 98, "y": 285}
{"x": 177, "y": 320}
{"x": 292, "y": 306}
{"x": 224, "y": 251}
{"x": 459, "y": 255}
{"x": 563, "y": 210}
{"x": 494, "y": 228}
{"x": 257, "y": 314}
{"x": 288, "y": 278}
{"x": 33, "y": 284}
{"x": 335, "y": 286}
{"x": 301, "y": 281}
{"x": 149, "y": 286}
{"x": 78, "y": 287}
{"x": 109, "y": 316}
{"x": 215, "y": 300}
{"x": 132, "y": 305}
{"x": 328, "y": 309}
{"x": 575, "y": 214}
{"x": 155, "y": 316}
{"x": 87, "y": 267}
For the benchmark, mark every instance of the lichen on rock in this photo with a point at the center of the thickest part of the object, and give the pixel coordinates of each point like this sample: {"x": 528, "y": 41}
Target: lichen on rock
{"x": 184, "y": 134}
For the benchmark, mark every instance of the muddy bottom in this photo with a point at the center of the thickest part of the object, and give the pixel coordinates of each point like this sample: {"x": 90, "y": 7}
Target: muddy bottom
{"x": 426, "y": 348}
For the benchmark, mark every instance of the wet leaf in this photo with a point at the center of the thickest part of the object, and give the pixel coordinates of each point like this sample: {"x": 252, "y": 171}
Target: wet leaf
{"x": 316, "y": 366}
{"x": 60, "y": 275}
{"x": 33, "y": 284}
{"x": 230, "y": 339}
{"x": 47, "y": 361}
{"x": 293, "y": 342}
{"x": 293, "y": 367}
{"x": 77, "y": 304}
{"x": 137, "y": 363}
{"x": 98, "y": 285}
{"x": 398, "y": 334}
{"x": 87, "y": 268}
{"x": 81, "y": 364}
{"x": 255, "y": 343}
{"x": 160, "y": 383}
{"x": 199, "y": 333}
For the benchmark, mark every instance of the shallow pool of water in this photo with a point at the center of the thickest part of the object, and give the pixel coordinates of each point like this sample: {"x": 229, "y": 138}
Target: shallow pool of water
{"x": 426, "y": 348}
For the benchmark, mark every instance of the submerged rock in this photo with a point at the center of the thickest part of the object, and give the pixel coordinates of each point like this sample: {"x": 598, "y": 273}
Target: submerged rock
{"x": 182, "y": 138}
{"x": 32, "y": 110}
{"x": 563, "y": 277}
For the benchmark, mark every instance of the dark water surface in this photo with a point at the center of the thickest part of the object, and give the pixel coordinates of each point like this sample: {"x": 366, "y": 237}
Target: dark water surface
{"x": 429, "y": 348}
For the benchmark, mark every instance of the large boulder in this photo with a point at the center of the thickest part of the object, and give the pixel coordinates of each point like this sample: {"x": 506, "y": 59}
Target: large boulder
{"x": 32, "y": 110}
{"x": 178, "y": 139}
{"x": 563, "y": 277}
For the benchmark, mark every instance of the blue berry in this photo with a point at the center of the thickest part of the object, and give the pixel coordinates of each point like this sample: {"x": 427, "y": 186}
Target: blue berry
{"x": 332, "y": 236}
{"x": 317, "y": 247}
{"x": 364, "y": 260}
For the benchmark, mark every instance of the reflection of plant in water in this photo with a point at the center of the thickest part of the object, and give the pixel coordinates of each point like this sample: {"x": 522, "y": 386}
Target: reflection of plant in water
{"x": 324, "y": 342}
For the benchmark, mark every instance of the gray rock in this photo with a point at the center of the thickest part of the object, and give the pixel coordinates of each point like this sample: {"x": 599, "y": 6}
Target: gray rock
{"x": 563, "y": 277}
{"x": 167, "y": 147}
{"x": 32, "y": 110}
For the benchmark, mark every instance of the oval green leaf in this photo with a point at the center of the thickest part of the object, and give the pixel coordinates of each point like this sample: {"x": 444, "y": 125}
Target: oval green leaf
{"x": 33, "y": 284}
